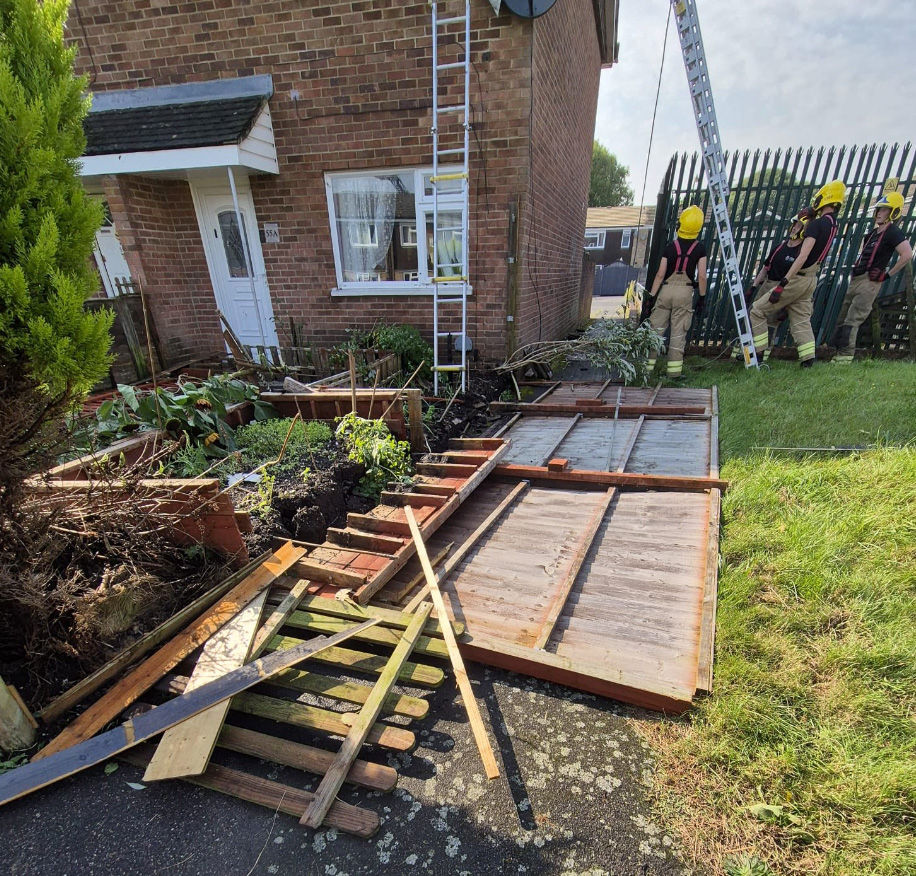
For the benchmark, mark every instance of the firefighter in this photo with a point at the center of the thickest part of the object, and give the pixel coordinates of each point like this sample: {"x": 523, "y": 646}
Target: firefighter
{"x": 869, "y": 272}
{"x": 681, "y": 270}
{"x": 794, "y": 291}
{"x": 774, "y": 268}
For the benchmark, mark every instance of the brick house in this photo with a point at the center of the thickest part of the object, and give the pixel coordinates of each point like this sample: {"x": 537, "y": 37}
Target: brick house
{"x": 311, "y": 124}
{"x": 619, "y": 234}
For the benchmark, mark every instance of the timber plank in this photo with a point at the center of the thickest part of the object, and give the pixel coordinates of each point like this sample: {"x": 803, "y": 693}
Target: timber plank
{"x": 569, "y": 579}
{"x": 416, "y": 674}
{"x": 388, "y": 617}
{"x": 613, "y": 478}
{"x": 317, "y": 623}
{"x": 39, "y": 773}
{"x": 364, "y": 540}
{"x": 368, "y": 715}
{"x": 185, "y": 750}
{"x": 144, "y": 676}
{"x": 491, "y": 768}
{"x": 364, "y": 773}
{"x": 274, "y": 796}
{"x": 445, "y": 469}
{"x": 589, "y": 409}
{"x": 325, "y": 574}
{"x": 318, "y": 719}
{"x": 708, "y": 616}
{"x": 415, "y": 500}
{"x": 397, "y": 588}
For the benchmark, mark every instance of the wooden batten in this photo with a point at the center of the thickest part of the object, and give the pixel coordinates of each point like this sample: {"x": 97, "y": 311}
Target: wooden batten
{"x": 445, "y": 469}
{"x": 612, "y": 478}
{"x": 356, "y": 540}
{"x": 415, "y": 500}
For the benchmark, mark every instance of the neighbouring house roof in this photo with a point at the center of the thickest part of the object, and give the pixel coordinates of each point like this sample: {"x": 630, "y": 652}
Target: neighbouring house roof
{"x": 606, "y": 15}
{"x": 620, "y": 217}
{"x": 171, "y": 126}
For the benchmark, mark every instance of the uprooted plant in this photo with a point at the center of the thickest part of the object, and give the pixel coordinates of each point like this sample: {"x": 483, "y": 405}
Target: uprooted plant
{"x": 92, "y": 571}
{"x": 623, "y": 347}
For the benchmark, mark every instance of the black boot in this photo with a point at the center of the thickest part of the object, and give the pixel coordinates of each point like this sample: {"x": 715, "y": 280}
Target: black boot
{"x": 807, "y": 363}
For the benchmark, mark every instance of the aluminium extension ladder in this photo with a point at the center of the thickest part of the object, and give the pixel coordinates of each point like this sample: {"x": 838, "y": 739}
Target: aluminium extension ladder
{"x": 450, "y": 280}
{"x": 688, "y": 29}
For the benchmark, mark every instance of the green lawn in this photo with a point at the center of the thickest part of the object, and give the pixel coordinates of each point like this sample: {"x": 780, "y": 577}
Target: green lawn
{"x": 814, "y": 708}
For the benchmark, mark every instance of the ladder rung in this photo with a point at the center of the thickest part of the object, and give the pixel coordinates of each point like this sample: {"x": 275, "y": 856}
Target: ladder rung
{"x": 454, "y": 20}
{"x": 450, "y": 279}
{"x": 442, "y": 177}
{"x": 454, "y": 65}
{"x": 449, "y": 367}
{"x": 455, "y": 108}
{"x": 450, "y": 151}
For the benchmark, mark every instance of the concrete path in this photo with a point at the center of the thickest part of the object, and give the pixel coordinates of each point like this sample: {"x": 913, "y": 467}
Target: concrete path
{"x": 571, "y": 802}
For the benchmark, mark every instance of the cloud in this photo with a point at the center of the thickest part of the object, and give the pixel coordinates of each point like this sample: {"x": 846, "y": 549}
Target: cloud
{"x": 784, "y": 73}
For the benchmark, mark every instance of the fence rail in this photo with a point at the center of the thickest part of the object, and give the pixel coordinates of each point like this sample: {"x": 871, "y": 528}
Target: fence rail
{"x": 766, "y": 189}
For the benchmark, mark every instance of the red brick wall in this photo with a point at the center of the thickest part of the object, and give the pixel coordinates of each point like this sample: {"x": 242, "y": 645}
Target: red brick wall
{"x": 566, "y": 74}
{"x": 363, "y": 72}
{"x": 160, "y": 236}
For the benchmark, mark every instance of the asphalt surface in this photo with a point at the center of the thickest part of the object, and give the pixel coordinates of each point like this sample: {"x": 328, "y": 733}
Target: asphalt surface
{"x": 572, "y": 801}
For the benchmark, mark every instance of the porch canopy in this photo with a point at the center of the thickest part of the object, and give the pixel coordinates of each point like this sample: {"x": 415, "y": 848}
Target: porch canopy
{"x": 173, "y": 129}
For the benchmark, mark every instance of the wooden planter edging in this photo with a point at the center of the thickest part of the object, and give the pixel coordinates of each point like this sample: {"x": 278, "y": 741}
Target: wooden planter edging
{"x": 373, "y": 547}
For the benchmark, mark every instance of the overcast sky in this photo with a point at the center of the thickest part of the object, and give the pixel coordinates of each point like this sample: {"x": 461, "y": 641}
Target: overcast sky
{"x": 783, "y": 72}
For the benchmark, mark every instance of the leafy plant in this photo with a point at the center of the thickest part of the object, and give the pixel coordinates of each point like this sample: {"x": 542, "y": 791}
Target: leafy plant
{"x": 370, "y": 443}
{"x": 265, "y": 494}
{"x": 746, "y": 865}
{"x": 406, "y": 341}
{"x": 13, "y": 761}
{"x": 196, "y": 411}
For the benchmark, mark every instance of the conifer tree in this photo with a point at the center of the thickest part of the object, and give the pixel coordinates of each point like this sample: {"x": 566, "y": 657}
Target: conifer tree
{"x": 51, "y": 350}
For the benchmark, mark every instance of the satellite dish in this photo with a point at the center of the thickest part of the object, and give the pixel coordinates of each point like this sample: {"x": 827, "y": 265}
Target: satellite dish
{"x": 529, "y": 8}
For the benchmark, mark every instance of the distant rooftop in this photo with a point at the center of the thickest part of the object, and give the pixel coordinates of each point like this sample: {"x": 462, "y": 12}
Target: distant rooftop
{"x": 620, "y": 217}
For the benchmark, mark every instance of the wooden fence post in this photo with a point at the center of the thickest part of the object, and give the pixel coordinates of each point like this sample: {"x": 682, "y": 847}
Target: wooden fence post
{"x": 17, "y": 730}
{"x": 415, "y": 419}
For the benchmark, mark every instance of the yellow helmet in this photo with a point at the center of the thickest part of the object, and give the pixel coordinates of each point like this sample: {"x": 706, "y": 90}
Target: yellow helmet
{"x": 894, "y": 202}
{"x": 689, "y": 223}
{"x": 831, "y": 194}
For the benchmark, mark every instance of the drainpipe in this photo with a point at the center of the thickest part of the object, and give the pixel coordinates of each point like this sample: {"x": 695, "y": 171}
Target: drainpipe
{"x": 247, "y": 253}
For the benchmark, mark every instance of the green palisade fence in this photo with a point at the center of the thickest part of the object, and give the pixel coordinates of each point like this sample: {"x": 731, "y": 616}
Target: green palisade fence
{"x": 766, "y": 189}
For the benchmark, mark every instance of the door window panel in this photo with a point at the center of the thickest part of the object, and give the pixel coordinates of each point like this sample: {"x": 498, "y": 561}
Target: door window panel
{"x": 232, "y": 244}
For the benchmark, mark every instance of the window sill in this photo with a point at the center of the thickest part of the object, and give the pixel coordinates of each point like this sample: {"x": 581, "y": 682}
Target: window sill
{"x": 390, "y": 290}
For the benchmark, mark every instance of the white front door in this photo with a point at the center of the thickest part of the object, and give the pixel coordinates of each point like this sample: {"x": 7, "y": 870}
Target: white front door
{"x": 243, "y": 299}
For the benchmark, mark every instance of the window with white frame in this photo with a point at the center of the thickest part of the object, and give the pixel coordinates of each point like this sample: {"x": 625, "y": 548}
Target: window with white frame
{"x": 408, "y": 232}
{"x": 594, "y": 239}
{"x": 625, "y": 239}
{"x": 375, "y": 217}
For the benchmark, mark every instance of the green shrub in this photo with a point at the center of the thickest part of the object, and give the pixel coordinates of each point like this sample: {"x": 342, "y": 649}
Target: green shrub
{"x": 406, "y": 341}
{"x": 47, "y": 222}
{"x": 370, "y": 443}
{"x": 196, "y": 412}
{"x": 261, "y": 441}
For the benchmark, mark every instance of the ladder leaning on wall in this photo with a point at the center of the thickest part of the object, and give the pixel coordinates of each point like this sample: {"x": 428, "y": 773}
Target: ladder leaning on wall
{"x": 688, "y": 30}
{"x": 450, "y": 240}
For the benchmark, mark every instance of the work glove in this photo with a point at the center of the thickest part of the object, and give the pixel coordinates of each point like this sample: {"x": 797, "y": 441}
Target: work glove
{"x": 782, "y": 315}
{"x": 877, "y": 275}
{"x": 776, "y": 294}
{"x": 750, "y": 294}
{"x": 700, "y": 305}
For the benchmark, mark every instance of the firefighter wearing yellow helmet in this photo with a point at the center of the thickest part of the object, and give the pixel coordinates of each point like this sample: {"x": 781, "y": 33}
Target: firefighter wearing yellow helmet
{"x": 681, "y": 270}
{"x": 774, "y": 268}
{"x": 869, "y": 272}
{"x": 794, "y": 291}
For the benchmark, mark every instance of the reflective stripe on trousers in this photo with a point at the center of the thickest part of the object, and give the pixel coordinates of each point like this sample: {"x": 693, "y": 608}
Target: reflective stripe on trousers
{"x": 674, "y": 307}
{"x": 797, "y": 299}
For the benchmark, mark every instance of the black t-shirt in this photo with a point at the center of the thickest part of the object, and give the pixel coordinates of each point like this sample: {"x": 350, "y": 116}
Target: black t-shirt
{"x": 885, "y": 242}
{"x": 780, "y": 260}
{"x": 698, "y": 252}
{"x": 823, "y": 230}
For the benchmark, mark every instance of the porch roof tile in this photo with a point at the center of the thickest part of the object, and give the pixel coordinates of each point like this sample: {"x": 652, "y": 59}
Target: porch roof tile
{"x": 171, "y": 126}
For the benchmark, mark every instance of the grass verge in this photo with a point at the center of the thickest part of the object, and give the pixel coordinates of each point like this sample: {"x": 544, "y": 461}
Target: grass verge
{"x": 805, "y": 755}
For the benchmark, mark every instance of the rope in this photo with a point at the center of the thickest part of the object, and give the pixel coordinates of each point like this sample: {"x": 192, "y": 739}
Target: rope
{"x": 658, "y": 91}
